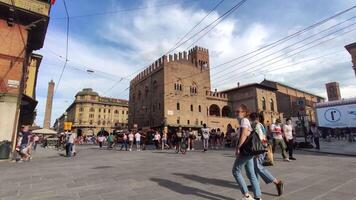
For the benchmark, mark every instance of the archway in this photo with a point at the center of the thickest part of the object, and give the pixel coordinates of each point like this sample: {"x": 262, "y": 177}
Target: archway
{"x": 226, "y": 111}
{"x": 214, "y": 110}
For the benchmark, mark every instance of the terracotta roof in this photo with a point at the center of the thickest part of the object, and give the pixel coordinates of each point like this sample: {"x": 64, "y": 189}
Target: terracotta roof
{"x": 257, "y": 85}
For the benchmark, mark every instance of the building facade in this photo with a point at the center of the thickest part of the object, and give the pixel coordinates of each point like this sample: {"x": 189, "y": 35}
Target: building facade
{"x": 333, "y": 91}
{"x": 293, "y": 102}
{"x": 89, "y": 113}
{"x": 23, "y": 26}
{"x": 351, "y": 48}
{"x": 257, "y": 98}
{"x": 175, "y": 91}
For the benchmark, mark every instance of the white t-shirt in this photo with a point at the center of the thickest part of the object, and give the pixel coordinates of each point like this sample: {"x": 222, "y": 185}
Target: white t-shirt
{"x": 138, "y": 137}
{"x": 205, "y": 132}
{"x": 277, "y": 131}
{"x": 288, "y": 131}
{"x": 101, "y": 138}
{"x": 157, "y": 137}
{"x": 131, "y": 137}
{"x": 245, "y": 123}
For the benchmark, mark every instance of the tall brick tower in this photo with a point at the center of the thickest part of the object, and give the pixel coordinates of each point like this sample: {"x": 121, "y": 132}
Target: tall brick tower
{"x": 351, "y": 48}
{"x": 333, "y": 91}
{"x": 48, "y": 111}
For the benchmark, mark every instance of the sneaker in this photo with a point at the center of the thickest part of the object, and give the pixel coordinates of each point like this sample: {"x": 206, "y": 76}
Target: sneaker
{"x": 292, "y": 158}
{"x": 247, "y": 198}
{"x": 280, "y": 188}
{"x": 286, "y": 160}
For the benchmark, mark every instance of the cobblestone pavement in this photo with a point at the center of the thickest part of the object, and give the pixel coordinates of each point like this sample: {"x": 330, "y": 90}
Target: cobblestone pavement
{"x": 102, "y": 174}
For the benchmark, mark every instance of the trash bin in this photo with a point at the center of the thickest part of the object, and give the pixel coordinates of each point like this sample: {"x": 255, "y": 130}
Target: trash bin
{"x": 5, "y": 149}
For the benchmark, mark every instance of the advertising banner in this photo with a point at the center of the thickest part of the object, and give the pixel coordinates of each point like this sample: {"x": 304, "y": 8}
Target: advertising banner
{"x": 337, "y": 116}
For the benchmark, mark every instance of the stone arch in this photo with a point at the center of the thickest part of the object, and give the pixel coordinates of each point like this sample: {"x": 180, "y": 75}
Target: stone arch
{"x": 214, "y": 110}
{"x": 226, "y": 111}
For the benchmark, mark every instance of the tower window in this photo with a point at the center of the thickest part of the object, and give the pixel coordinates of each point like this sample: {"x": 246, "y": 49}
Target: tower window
{"x": 191, "y": 108}
{"x": 178, "y": 106}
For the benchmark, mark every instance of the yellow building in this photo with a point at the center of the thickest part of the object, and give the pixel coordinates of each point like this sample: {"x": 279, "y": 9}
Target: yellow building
{"x": 89, "y": 113}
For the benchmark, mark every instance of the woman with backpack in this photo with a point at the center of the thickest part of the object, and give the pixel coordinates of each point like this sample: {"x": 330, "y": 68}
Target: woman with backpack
{"x": 245, "y": 161}
{"x": 258, "y": 160}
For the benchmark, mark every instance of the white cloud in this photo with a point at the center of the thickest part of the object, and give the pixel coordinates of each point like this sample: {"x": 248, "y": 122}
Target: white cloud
{"x": 139, "y": 40}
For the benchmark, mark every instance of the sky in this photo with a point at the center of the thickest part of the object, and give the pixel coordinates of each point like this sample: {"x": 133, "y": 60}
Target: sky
{"x": 118, "y": 38}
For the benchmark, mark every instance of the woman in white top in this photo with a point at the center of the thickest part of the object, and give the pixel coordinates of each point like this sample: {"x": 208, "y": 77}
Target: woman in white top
{"x": 245, "y": 161}
{"x": 260, "y": 170}
{"x": 288, "y": 135}
{"x": 131, "y": 140}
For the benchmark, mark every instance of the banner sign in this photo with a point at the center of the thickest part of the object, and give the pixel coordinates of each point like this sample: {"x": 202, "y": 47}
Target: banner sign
{"x": 67, "y": 126}
{"x": 337, "y": 116}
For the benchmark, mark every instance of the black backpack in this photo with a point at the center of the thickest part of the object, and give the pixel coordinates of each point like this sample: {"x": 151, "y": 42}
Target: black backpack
{"x": 252, "y": 145}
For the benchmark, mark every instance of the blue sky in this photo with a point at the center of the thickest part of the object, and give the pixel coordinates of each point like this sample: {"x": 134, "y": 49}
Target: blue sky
{"x": 117, "y": 44}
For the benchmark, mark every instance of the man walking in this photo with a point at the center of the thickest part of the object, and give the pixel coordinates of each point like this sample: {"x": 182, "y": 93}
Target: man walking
{"x": 288, "y": 135}
{"x": 138, "y": 141}
{"x": 278, "y": 138}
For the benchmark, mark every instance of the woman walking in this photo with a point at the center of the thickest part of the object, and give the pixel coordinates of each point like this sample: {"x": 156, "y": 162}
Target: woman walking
{"x": 131, "y": 140}
{"x": 164, "y": 138}
{"x": 245, "y": 161}
{"x": 260, "y": 170}
{"x": 288, "y": 135}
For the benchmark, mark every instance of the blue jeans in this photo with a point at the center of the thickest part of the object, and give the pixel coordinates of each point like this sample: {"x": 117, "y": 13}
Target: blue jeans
{"x": 260, "y": 170}
{"x": 69, "y": 149}
{"x": 247, "y": 162}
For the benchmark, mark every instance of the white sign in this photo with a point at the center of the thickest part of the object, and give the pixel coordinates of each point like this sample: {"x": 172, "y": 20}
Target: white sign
{"x": 13, "y": 83}
{"x": 170, "y": 112}
{"x": 337, "y": 116}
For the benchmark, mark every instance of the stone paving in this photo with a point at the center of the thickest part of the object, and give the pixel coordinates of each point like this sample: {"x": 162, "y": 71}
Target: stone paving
{"x": 157, "y": 175}
{"x": 342, "y": 147}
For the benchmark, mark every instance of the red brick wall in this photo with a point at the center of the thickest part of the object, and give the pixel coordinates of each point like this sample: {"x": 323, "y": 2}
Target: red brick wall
{"x": 12, "y": 55}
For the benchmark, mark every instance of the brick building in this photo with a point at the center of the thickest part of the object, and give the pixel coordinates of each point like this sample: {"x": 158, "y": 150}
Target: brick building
{"x": 23, "y": 26}
{"x": 257, "y": 97}
{"x": 333, "y": 91}
{"x": 293, "y": 102}
{"x": 351, "y": 48}
{"x": 89, "y": 113}
{"x": 175, "y": 91}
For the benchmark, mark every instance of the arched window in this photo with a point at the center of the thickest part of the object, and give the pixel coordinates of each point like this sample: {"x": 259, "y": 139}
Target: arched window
{"x": 146, "y": 91}
{"x": 91, "y": 110}
{"x": 178, "y": 106}
{"x": 199, "y": 108}
{"x": 191, "y": 108}
{"x": 178, "y": 86}
{"x": 116, "y": 112}
{"x": 214, "y": 110}
{"x": 272, "y": 105}
{"x": 193, "y": 88}
{"x": 139, "y": 95}
{"x": 226, "y": 111}
{"x": 263, "y": 103}
{"x": 154, "y": 84}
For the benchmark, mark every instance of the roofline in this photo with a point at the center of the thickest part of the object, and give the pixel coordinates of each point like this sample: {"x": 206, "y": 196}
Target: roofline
{"x": 282, "y": 84}
{"x": 251, "y": 85}
{"x": 350, "y": 46}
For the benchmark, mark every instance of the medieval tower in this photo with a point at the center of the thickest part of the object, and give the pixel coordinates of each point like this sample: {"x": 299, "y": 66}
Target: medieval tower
{"x": 48, "y": 111}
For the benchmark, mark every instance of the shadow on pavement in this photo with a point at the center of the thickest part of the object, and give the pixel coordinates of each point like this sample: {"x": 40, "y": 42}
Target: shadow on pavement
{"x": 214, "y": 181}
{"x": 186, "y": 190}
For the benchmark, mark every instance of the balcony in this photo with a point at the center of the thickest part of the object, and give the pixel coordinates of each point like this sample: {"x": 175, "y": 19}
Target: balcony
{"x": 34, "y": 14}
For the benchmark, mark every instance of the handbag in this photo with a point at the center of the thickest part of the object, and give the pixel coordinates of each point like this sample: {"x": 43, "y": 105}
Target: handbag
{"x": 252, "y": 145}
